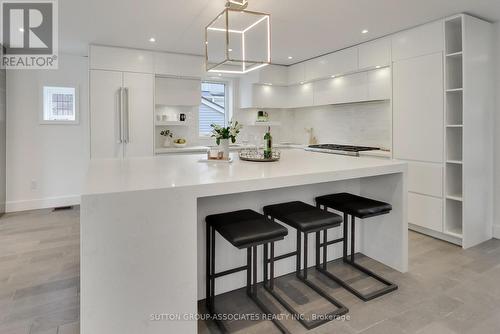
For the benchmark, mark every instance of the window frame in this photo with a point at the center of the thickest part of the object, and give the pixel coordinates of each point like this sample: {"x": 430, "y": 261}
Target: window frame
{"x": 42, "y": 121}
{"x": 227, "y": 103}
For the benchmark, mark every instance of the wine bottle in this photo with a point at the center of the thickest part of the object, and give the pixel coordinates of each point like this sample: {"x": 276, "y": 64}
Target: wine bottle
{"x": 268, "y": 144}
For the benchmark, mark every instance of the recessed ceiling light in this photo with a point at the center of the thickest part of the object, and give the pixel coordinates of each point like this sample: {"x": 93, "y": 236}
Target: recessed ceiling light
{"x": 21, "y": 29}
{"x": 220, "y": 74}
{"x": 364, "y": 31}
{"x": 290, "y": 57}
{"x": 302, "y": 82}
{"x": 378, "y": 66}
{"x": 152, "y": 39}
{"x": 333, "y": 76}
{"x": 230, "y": 50}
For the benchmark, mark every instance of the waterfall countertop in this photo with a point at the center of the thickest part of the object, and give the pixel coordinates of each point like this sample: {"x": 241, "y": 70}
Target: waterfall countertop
{"x": 296, "y": 165}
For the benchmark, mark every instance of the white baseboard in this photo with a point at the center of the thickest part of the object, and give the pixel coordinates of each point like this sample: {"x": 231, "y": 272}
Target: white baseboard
{"x": 496, "y": 231}
{"x": 43, "y": 203}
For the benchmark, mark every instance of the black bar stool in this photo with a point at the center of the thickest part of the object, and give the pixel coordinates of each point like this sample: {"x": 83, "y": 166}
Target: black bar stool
{"x": 244, "y": 229}
{"x": 361, "y": 207}
{"x": 305, "y": 219}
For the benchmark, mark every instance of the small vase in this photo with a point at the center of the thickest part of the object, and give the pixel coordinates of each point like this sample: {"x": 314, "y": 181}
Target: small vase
{"x": 167, "y": 142}
{"x": 224, "y": 147}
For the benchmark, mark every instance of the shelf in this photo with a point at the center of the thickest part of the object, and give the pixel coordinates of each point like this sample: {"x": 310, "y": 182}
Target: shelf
{"x": 453, "y": 90}
{"x": 454, "y": 70}
{"x": 263, "y": 124}
{"x": 455, "y": 54}
{"x": 454, "y": 138}
{"x": 454, "y": 221}
{"x": 457, "y": 198}
{"x": 454, "y": 180}
{"x": 171, "y": 123}
{"x": 455, "y": 126}
{"x": 457, "y": 233}
{"x": 455, "y": 162}
{"x": 453, "y": 35}
{"x": 454, "y": 108}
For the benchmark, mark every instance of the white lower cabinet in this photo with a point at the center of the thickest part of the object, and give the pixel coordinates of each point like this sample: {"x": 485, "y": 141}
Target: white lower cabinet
{"x": 121, "y": 114}
{"x": 425, "y": 178}
{"x": 425, "y": 211}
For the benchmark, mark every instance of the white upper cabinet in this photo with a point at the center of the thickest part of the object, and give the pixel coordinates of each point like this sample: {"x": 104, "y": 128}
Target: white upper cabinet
{"x": 119, "y": 59}
{"x": 296, "y": 74}
{"x": 419, "y": 41}
{"x": 345, "y": 89}
{"x": 265, "y": 96}
{"x": 418, "y": 109}
{"x": 300, "y": 96}
{"x": 273, "y": 74}
{"x": 178, "y": 92}
{"x": 375, "y": 53}
{"x": 178, "y": 65}
{"x": 337, "y": 63}
{"x": 379, "y": 84}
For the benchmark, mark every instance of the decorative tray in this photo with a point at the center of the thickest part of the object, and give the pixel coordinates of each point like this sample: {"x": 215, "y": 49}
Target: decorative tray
{"x": 227, "y": 161}
{"x": 258, "y": 156}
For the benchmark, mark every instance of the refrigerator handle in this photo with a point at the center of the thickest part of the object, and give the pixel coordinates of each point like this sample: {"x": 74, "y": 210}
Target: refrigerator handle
{"x": 120, "y": 116}
{"x": 127, "y": 116}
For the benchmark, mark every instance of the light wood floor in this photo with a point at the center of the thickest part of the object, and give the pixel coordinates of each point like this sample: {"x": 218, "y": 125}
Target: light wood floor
{"x": 447, "y": 290}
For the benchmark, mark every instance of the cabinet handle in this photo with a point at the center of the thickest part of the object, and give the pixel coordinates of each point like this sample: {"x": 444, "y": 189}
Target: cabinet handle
{"x": 127, "y": 116}
{"x": 120, "y": 116}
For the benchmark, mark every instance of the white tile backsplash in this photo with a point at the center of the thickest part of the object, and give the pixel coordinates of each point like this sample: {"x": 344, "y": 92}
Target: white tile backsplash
{"x": 353, "y": 124}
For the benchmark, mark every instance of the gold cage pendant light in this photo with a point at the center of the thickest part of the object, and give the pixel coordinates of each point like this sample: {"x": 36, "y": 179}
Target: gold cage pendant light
{"x": 238, "y": 40}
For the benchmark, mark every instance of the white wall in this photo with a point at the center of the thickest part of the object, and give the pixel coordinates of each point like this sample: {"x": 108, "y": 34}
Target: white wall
{"x": 496, "y": 203}
{"x": 46, "y": 164}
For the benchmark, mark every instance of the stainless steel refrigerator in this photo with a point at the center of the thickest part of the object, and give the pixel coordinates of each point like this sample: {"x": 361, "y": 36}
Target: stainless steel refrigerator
{"x": 3, "y": 108}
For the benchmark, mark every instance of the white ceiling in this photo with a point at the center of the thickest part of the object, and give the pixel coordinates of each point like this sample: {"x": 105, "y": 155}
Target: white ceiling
{"x": 300, "y": 28}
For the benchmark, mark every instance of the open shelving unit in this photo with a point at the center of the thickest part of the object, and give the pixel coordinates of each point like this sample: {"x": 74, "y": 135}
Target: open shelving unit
{"x": 454, "y": 92}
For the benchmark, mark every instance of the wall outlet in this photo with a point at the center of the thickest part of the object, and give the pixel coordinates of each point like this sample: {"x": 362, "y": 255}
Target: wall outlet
{"x": 33, "y": 185}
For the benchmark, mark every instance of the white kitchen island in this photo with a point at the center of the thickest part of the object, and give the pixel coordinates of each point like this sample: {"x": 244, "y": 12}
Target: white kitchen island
{"x": 142, "y": 228}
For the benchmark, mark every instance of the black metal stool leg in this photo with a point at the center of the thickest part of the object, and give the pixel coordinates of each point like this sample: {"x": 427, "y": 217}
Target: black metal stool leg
{"x": 341, "y": 309}
{"x": 207, "y": 269}
{"x": 272, "y": 266}
{"x": 344, "y": 244}
{"x": 318, "y": 241}
{"x": 389, "y": 286}
{"x": 325, "y": 252}
{"x": 212, "y": 270}
{"x": 353, "y": 234}
{"x": 266, "y": 263}
{"x": 299, "y": 253}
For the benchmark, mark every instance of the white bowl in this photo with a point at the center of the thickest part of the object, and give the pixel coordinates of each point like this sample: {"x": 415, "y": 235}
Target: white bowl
{"x": 180, "y": 145}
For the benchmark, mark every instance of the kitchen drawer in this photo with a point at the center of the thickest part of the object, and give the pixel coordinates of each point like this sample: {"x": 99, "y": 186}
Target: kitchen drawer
{"x": 425, "y": 211}
{"x": 425, "y": 178}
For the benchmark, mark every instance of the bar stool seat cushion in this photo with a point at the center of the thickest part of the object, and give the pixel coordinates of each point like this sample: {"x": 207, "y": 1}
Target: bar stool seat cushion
{"x": 245, "y": 228}
{"x": 358, "y": 206}
{"x": 303, "y": 216}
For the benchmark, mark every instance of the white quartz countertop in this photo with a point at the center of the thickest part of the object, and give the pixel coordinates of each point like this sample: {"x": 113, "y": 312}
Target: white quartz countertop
{"x": 295, "y": 167}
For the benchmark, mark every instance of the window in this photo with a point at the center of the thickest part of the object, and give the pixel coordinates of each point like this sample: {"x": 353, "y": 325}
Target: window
{"x": 213, "y": 107}
{"x": 59, "y": 105}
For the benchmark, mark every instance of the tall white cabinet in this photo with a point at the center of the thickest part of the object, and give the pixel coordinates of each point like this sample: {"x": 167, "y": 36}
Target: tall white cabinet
{"x": 121, "y": 113}
{"x": 442, "y": 109}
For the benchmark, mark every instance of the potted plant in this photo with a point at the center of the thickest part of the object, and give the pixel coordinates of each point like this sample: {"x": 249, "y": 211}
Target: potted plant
{"x": 222, "y": 136}
{"x": 168, "y": 137}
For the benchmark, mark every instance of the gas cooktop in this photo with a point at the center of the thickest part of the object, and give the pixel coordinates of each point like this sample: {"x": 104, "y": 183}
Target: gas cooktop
{"x": 340, "y": 149}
